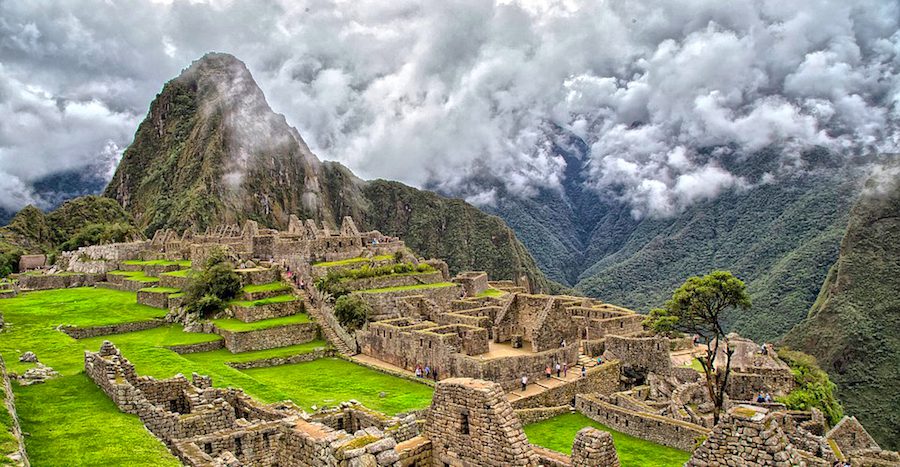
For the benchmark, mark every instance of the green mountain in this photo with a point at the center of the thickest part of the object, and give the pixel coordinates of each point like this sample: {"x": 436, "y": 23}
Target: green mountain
{"x": 31, "y": 231}
{"x": 852, "y": 328}
{"x": 212, "y": 151}
{"x": 780, "y": 237}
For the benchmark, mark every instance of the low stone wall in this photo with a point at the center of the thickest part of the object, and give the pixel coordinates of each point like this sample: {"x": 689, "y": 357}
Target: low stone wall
{"x": 174, "y": 282}
{"x": 602, "y": 379}
{"x": 539, "y": 414}
{"x": 154, "y": 270}
{"x": 415, "y": 452}
{"x": 154, "y": 299}
{"x": 270, "y": 338}
{"x": 319, "y": 271}
{"x": 393, "y": 280}
{"x": 57, "y": 281}
{"x": 508, "y": 371}
{"x": 76, "y": 332}
{"x": 651, "y": 427}
{"x": 749, "y": 385}
{"x": 258, "y": 276}
{"x": 276, "y": 361}
{"x": 196, "y": 348}
{"x": 20, "y": 455}
{"x": 249, "y": 314}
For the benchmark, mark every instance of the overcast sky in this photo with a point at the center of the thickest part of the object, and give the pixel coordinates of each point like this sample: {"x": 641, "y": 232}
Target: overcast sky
{"x": 434, "y": 92}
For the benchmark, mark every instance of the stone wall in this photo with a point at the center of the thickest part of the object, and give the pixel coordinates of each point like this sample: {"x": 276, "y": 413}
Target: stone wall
{"x": 20, "y": 455}
{"x": 602, "y": 379}
{"x": 763, "y": 380}
{"x": 384, "y": 303}
{"x": 56, "y": 281}
{"x": 640, "y": 354}
{"x": 393, "y": 280}
{"x": 539, "y": 414}
{"x": 652, "y": 427}
{"x": 276, "y": 361}
{"x": 153, "y": 298}
{"x": 472, "y": 282}
{"x": 262, "y": 339}
{"x": 471, "y": 423}
{"x": 84, "y": 333}
{"x": 196, "y": 348}
{"x": 249, "y": 314}
{"x": 508, "y": 371}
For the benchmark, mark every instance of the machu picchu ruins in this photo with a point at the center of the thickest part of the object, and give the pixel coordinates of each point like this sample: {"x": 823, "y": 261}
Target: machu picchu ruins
{"x": 497, "y": 357}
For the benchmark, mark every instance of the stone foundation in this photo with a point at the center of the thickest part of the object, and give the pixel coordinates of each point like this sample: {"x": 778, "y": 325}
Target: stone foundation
{"x": 249, "y": 314}
{"x": 84, "y": 333}
{"x": 262, "y": 339}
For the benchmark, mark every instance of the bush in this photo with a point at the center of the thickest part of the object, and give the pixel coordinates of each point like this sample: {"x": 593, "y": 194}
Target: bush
{"x": 9, "y": 259}
{"x": 210, "y": 291}
{"x": 814, "y": 388}
{"x": 352, "y": 312}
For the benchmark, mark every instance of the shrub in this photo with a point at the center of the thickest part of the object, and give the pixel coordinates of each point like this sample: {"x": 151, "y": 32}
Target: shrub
{"x": 814, "y": 388}
{"x": 352, "y": 312}
{"x": 661, "y": 322}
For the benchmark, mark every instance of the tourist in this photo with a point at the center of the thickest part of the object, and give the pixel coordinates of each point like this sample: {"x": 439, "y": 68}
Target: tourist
{"x": 427, "y": 370}
{"x": 764, "y": 349}
{"x": 434, "y": 373}
{"x": 695, "y": 340}
{"x": 583, "y": 371}
{"x": 563, "y": 343}
{"x": 558, "y": 369}
{"x": 599, "y": 360}
{"x": 524, "y": 381}
{"x": 565, "y": 370}
{"x": 768, "y": 397}
{"x": 418, "y": 371}
{"x": 548, "y": 371}
{"x": 760, "y": 398}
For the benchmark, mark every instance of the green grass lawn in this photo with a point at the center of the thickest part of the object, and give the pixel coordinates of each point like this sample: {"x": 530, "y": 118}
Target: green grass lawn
{"x": 231, "y": 324}
{"x": 436, "y": 285}
{"x": 265, "y": 301}
{"x": 159, "y": 262}
{"x": 559, "y": 432}
{"x": 70, "y": 421}
{"x": 178, "y": 273}
{"x": 329, "y": 381}
{"x": 491, "y": 293}
{"x": 271, "y": 287}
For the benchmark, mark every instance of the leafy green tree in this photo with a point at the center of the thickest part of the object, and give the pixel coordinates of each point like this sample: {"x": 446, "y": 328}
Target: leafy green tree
{"x": 210, "y": 290}
{"x": 97, "y": 234}
{"x": 352, "y": 312}
{"x": 661, "y": 322}
{"x": 698, "y": 307}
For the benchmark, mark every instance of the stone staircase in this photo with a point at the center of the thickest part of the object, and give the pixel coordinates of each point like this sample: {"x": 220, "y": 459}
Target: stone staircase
{"x": 318, "y": 314}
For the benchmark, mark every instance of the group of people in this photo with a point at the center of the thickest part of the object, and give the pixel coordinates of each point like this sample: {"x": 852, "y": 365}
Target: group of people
{"x": 426, "y": 372}
{"x": 562, "y": 370}
{"x": 295, "y": 278}
{"x": 761, "y": 398}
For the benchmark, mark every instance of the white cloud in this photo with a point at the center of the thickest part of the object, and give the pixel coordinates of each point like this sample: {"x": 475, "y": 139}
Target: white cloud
{"x": 436, "y": 93}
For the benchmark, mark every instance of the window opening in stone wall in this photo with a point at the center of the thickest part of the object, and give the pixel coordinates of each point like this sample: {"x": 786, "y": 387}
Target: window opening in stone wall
{"x": 207, "y": 448}
{"x": 238, "y": 447}
{"x": 266, "y": 440}
{"x": 464, "y": 427}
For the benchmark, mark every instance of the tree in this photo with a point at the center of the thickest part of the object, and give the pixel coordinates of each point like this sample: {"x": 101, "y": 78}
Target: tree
{"x": 698, "y": 307}
{"x": 661, "y": 322}
{"x": 210, "y": 291}
{"x": 352, "y": 312}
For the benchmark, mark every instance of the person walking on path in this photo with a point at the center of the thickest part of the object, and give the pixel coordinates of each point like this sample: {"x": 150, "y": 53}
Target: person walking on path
{"x": 524, "y": 382}
{"x": 427, "y": 370}
{"x": 548, "y": 371}
{"x": 418, "y": 371}
{"x": 565, "y": 370}
{"x": 583, "y": 371}
{"x": 558, "y": 369}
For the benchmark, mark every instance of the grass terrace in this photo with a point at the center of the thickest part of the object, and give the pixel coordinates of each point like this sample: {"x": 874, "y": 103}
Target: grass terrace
{"x": 346, "y": 262}
{"x": 491, "y": 292}
{"x": 71, "y": 422}
{"x": 178, "y": 273}
{"x": 265, "y": 301}
{"x": 231, "y": 324}
{"x": 159, "y": 262}
{"x": 135, "y": 276}
{"x": 559, "y": 432}
{"x": 271, "y": 287}
{"x": 436, "y": 285}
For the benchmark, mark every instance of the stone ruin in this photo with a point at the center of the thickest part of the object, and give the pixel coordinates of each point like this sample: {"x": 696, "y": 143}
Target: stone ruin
{"x": 469, "y": 423}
